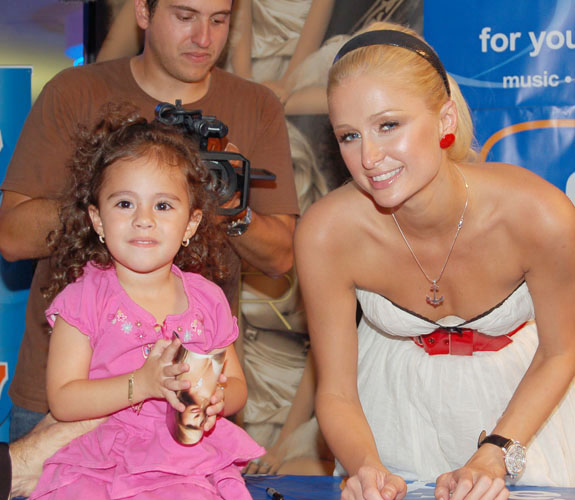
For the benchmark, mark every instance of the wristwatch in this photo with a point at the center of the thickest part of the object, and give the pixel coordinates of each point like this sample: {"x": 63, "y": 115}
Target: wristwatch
{"x": 514, "y": 454}
{"x": 237, "y": 227}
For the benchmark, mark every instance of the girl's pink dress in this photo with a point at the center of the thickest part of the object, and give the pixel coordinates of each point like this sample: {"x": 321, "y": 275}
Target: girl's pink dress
{"x": 133, "y": 455}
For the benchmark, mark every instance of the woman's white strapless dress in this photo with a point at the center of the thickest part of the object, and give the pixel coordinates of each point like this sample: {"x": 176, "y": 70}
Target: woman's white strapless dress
{"x": 426, "y": 412}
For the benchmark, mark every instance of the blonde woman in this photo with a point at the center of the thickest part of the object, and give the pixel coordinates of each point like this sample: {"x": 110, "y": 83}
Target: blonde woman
{"x": 466, "y": 278}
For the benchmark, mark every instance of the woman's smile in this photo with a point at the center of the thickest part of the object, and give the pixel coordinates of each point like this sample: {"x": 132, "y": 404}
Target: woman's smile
{"x": 385, "y": 179}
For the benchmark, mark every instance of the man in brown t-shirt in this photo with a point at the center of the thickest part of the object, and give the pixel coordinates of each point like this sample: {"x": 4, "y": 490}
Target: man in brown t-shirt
{"x": 182, "y": 43}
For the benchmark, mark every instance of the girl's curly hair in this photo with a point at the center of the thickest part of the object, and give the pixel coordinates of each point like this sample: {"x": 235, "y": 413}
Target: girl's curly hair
{"x": 122, "y": 134}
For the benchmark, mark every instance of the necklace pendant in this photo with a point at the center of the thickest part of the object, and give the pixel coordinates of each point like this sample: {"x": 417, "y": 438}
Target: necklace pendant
{"x": 435, "y": 300}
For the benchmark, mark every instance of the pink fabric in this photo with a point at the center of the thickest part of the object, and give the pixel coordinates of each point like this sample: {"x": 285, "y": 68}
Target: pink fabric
{"x": 130, "y": 455}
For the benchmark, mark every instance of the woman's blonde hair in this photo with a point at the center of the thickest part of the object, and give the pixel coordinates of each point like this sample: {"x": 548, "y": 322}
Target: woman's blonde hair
{"x": 415, "y": 74}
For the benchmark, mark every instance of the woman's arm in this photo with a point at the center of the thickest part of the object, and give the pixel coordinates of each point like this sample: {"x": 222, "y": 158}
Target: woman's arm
{"x": 242, "y": 46}
{"x": 547, "y": 252}
{"x": 310, "y": 38}
{"x": 124, "y": 38}
{"x": 73, "y": 396}
{"x": 325, "y": 256}
{"x": 301, "y": 410}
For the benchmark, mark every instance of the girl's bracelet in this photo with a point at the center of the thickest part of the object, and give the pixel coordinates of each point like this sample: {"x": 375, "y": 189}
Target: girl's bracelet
{"x": 137, "y": 407}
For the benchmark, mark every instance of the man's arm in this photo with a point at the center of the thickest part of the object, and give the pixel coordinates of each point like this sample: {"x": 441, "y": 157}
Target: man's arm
{"x": 29, "y": 453}
{"x": 268, "y": 243}
{"x": 25, "y": 224}
{"x": 37, "y": 172}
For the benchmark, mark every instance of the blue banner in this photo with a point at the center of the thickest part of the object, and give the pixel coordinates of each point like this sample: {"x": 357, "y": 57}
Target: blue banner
{"x": 15, "y": 102}
{"x": 515, "y": 64}
{"x": 329, "y": 488}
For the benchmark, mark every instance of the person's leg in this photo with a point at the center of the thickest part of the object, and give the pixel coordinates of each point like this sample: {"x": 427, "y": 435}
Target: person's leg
{"x": 22, "y": 421}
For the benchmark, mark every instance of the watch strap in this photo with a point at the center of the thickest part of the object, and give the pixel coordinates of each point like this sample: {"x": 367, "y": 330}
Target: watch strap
{"x": 495, "y": 439}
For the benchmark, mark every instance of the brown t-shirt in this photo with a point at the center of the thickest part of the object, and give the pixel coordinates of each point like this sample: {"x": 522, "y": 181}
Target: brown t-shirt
{"x": 75, "y": 96}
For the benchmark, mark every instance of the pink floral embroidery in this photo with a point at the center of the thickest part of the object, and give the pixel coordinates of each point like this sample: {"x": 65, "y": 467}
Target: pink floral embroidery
{"x": 146, "y": 350}
{"x": 119, "y": 317}
{"x": 196, "y": 327}
{"x": 197, "y": 324}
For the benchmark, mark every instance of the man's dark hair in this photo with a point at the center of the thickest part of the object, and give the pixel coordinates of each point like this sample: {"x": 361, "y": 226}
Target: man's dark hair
{"x": 151, "y": 6}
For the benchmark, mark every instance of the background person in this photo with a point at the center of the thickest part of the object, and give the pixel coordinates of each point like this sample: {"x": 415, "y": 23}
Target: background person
{"x": 202, "y": 375}
{"x": 277, "y": 361}
{"x": 182, "y": 44}
{"x": 272, "y": 38}
{"x": 190, "y": 421}
{"x": 450, "y": 271}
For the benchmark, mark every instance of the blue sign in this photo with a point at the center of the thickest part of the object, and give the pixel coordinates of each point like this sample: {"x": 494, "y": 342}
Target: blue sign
{"x": 515, "y": 64}
{"x": 15, "y": 102}
{"x": 329, "y": 488}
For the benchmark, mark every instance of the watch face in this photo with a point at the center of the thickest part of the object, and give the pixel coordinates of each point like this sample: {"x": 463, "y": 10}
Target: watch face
{"x": 237, "y": 230}
{"x": 515, "y": 459}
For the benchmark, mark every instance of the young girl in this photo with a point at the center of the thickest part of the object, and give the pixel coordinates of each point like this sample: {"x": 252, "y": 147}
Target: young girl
{"x": 139, "y": 218}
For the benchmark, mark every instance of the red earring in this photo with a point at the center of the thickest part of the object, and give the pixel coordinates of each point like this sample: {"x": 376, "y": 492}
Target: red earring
{"x": 446, "y": 141}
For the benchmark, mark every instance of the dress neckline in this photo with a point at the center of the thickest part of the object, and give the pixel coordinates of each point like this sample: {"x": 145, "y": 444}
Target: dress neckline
{"x": 464, "y": 322}
{"x": 126, "y": 299}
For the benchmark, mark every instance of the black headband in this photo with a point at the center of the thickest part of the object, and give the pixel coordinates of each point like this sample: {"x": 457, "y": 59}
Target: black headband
{"x": 396, "y": 39}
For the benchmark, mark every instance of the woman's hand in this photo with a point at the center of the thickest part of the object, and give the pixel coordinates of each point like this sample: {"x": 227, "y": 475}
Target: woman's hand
{"x": 268, "y": 464}
{"x": 217, "y": 403}
{"x": 157, "y": 378}
{"x": 278, "y": 88}
{"x": 371, "y": 483}
{"x": 482, "y": 478}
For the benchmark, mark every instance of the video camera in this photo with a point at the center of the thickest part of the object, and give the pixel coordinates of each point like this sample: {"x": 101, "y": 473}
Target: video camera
{"x": 226, "y": 179}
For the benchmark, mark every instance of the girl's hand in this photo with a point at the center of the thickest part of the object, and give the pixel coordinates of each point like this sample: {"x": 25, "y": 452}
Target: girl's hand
{"x": 216, "y": 405}
{"x": 482, "y": 478}
{"x": 371, "y": 483}
{"x": 157, "y": 378}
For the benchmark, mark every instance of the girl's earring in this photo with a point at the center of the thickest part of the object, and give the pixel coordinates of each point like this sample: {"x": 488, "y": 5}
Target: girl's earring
{"x": 446, "y": 141}
{"x": 186, "y": 242}
{"x": 101, "y": 238}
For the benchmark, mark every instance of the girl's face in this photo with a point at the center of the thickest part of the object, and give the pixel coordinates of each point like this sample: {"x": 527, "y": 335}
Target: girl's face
{"x": 144, "y": 214}
{"x": 388, "y": 137}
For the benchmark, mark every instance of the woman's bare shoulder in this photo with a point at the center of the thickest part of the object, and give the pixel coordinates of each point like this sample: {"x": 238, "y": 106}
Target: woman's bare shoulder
{"x": 507, "y": 176}
{"x": 522, "y": 196}
{"x": 331, "y": 218}
{"x": 339, "y": 204}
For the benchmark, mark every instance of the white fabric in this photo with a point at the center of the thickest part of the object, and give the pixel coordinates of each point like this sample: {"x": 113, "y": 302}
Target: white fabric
{"x": 273, "y": 366}
{"x": 277, "y": 25}
{"x": 426, "y": 412}
{"x": 276, "y": 28}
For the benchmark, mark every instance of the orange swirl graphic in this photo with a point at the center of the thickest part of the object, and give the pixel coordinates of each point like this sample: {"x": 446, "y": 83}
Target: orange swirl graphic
{"x": 521, "y": 127}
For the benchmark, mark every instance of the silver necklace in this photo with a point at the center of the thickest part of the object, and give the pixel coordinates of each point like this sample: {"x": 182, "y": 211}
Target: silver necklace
{"x": 436, "y": 299}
